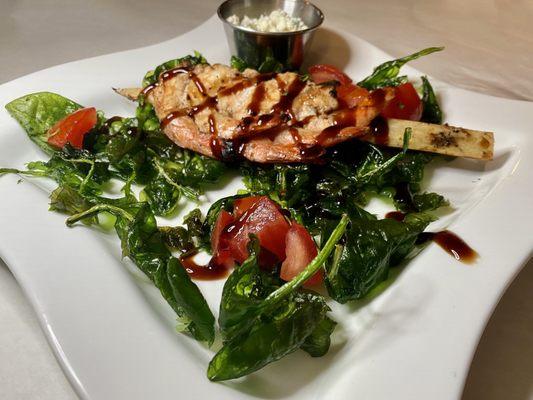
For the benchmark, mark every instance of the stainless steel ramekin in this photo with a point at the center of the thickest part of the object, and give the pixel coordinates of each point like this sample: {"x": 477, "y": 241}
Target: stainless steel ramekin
{"x": 253, "y": 47}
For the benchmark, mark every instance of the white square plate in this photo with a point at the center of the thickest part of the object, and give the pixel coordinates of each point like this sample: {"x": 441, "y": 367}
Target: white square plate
{"x": 114, "y": 336}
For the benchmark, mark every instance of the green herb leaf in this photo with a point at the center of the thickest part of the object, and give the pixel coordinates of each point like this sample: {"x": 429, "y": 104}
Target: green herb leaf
{"x": 38, "y": 112}
{"x": 432, "y": 112}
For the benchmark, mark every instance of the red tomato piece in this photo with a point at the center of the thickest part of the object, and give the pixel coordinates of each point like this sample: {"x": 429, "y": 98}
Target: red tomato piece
{"x": 301, "y": 250}
{"x": 406, "y": 104}
{"x": 265, "y": 220}
{"x": 223, "y": 220}
{"x": 240, "y": 206}
{"x": 321, "y": 73}
{"x": 351, "y": 95}
{"x": 220, "y": 247}
{"x": 72, "y": 128}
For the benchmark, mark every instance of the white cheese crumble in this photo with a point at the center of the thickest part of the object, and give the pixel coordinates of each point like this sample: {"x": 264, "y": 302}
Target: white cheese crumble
{"x": 276, "y": 21}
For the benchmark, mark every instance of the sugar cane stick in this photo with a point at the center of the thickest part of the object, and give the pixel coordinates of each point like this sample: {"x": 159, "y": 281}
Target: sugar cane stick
{"x": 441, "y": 139}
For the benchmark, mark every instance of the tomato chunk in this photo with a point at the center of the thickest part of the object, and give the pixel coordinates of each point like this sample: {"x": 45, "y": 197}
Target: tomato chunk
{"x": 223, "y": 220}
{"x": 321, "y": 73}
{"x": 72, "y": 128}
{"x": 240, "y": 206}
{"x": 221, "y": 252}
{"x": 263, "y": 219}
{"x": 301, "y": 250}
{"x": 406, "y": 104}
{"x": 351, "y": 95}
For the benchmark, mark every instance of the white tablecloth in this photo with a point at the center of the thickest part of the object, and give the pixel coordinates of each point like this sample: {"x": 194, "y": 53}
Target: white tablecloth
{"x": 489, "y": 48}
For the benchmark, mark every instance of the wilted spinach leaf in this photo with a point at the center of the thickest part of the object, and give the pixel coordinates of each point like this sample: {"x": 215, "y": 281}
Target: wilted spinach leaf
{"x": 38, "y": 112}
{"x": 386, "y": 74}
{"x": 256, "y": 336}
{"x": 318, "y": 342}
{"x": 432, "y": 112}
{"x": 370, "y": 248}
{"x": 143, "y": 243}
{"x": 153, "y": 76}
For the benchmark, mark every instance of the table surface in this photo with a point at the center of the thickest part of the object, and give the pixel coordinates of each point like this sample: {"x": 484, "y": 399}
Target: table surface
{"x": 489, "y": 48}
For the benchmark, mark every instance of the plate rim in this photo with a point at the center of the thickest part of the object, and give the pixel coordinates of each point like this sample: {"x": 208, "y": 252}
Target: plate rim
{"x": 520, "y": 259}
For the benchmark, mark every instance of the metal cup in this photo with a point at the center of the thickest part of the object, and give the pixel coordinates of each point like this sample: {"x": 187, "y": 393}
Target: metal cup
{"x": 254, "y": 48}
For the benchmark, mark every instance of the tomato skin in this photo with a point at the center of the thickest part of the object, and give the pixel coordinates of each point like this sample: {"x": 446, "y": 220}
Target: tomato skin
{"x": 72, "y": 128}
{"x": 301, "y": 250}
{"x": 223, "y": 220}
{"x": 279, "y": 241}
{"x": 406, "y": 104}
{"x": 241, "y": 205}
{"x": 265, "y": 220}
{"x": 221, "y": 252}
{"x": 351, "y": 95}
{"x": 321, "y": 73}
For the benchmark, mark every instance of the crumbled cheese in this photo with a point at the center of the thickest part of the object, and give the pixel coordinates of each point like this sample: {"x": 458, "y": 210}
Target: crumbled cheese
{"x": 276, "y": 21}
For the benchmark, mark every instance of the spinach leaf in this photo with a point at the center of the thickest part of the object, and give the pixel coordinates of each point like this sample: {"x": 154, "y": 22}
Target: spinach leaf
{"x": 278, "y": 333}
{"x": 244, "y": 290}
{"x": 255, "y": 338}
{"x": 189, "y": 239}
{"x": 429, "y": 201}
{"x": 38, "y": 112}
{"x": 318, "y": 342}
{"x": 163, "y": 196}
{"x": 270, "y": 64}
{"x": 264, "y": 321}
{"x": 67, "y": 200}
{"x": 386, "y": 74}
{"x": 153, "y": 76}
{"x": 238, "y": 63}
{"x": 287, "y": 184}
{"x": 143, "y": 243}
{"x": 432, "y": 112}
{"x": 370, "y": 248}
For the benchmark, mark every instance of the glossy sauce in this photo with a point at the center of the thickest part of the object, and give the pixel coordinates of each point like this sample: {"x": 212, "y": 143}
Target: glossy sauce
{"x": 210, "y": 102}
{"x": 449, "y": 241}
{"x": 257, "y": 98}
{"x": 209, "y": 272}
{"x": 452, "y": 244}
{"x": 164, "y": 77}
{"x": 379, "y": 130}
{"x": 236, "y": 226}
{"x": 397, "y": 215}
{"x": 214, "y": 142}
{"x": 404, "y": 196}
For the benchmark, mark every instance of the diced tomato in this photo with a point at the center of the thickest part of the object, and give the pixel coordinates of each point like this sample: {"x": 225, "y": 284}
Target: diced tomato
{"x": 241, "y": 205}
{"x": 221, "y": 252}
{"x": 72, "y": 128}
{"x": 265, "y": 220}
{"x": 406, "y": 104}
{"x": 351, "y": 95}
{"x": 301, "y": 250}
{"x": 321, "y": 73}
{"x": 223, "y": 220}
